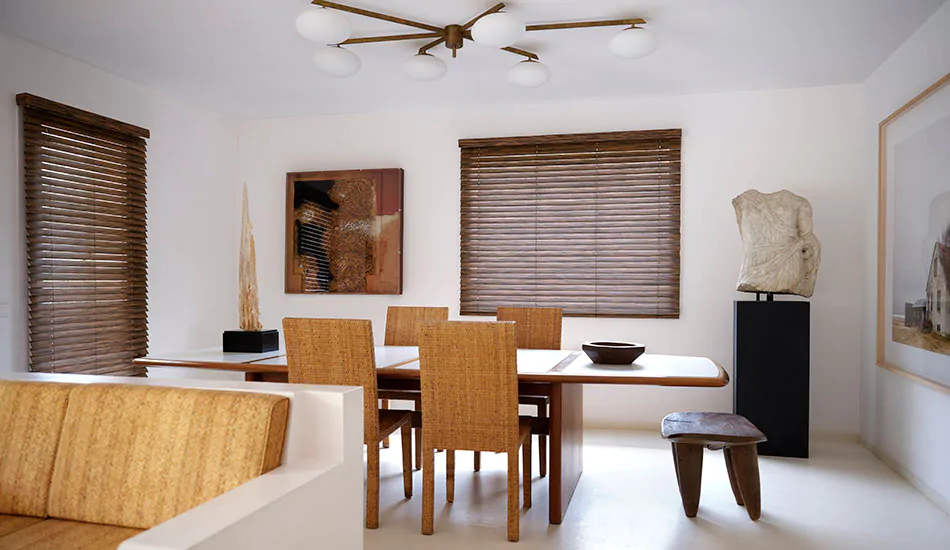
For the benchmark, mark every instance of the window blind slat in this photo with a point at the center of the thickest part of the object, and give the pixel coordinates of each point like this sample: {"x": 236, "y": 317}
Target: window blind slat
{"x": 86, "y": 224}
{"x": 589, "y": 223}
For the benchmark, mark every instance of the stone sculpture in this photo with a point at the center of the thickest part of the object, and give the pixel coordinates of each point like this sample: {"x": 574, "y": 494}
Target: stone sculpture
{"x": 781, "y": 254}
{"x": 249, "y": 310}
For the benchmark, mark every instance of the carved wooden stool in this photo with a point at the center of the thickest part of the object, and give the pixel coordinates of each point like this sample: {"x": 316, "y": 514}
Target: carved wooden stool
{"x": 737, "y": 437}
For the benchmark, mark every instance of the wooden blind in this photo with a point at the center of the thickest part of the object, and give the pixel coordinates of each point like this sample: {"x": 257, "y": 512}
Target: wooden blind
{"x": 589, "y": 223}
{"x": 84, "y": 176}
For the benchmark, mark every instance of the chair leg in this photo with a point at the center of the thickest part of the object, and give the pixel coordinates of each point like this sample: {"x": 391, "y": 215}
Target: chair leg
{"x": 428, "y": 490}
{"x": 417, "y": 406}
{"x": 731, "y": 469}
{"x": 745, "y": 460}
{"x": 513, "y": 494}
{"x": 449, "y": 475}
{"x": 478, "y": 461}
{"x": 688, "y": 459}
{"x": 385, "y": 406}
{"x": 372, "y": 486}
{"x": 543, "y": 443}
{"x": 407, "y": 459}
{"x": 526, "y": 466}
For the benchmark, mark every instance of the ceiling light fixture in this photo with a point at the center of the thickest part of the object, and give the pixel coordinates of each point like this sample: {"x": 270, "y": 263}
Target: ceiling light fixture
{"x": 493, "y": 28}
{"x": 323, "y": 26}
{"x": 634, "y": 43}
{"x": 337, "y": 61}
{"x": 425, "y": 67}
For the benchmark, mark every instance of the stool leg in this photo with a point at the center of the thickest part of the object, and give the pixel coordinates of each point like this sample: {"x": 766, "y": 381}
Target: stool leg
{"x": 731, "y": 469}
{"x": 745, "y": 460}
{"x": 417, "y": 406}
{"x": 543, "y": 443}
{"x": 688, "y": 459}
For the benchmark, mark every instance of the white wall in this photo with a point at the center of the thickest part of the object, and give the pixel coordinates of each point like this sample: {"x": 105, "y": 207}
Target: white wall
{"x": 192, "y": 182}
{"x": 807, "y": 140}
{"x": 905, "y": 422}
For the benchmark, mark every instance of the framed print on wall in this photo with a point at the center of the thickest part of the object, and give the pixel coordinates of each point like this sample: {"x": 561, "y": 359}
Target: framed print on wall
{"x": 913, "y": 306}
{"x": 344, "y": 232}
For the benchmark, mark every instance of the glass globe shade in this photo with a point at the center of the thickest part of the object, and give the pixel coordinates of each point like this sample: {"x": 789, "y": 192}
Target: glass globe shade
{"x": 425, "y": 67}
{"x": 529, "y": 74}
{"x": 498, "y": 30}
{"x": 634, "y": 43}
{"x": 336, "y": 61}
{"x": 324, "y": 26}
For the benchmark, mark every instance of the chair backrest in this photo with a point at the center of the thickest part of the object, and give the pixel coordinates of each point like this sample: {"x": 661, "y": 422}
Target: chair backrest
{"x": 538, "y": 327}
{"x": 336, "y": 352}
{"x": 469, "y": 379}
{"x": 403, "y": 323}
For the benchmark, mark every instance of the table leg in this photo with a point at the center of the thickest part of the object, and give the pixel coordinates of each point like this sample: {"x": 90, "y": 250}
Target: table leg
{"x": 567, "y": 447}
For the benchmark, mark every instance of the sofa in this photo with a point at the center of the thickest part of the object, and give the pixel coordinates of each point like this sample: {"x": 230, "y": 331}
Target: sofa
{"x": 91, "y": 462}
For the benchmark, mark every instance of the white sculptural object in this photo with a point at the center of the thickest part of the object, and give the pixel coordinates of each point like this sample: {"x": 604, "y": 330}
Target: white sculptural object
{"x": 781, "y": 254}
{"x": 249, "y": 310}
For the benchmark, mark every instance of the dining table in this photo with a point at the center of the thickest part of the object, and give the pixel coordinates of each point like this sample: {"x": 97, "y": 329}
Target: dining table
{"x": 558, "y": 374}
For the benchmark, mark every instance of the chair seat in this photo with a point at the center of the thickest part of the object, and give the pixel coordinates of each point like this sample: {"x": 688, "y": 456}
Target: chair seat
{"x": 56, "y": 534}
{"x": 401, "y": 395}
{"x": 392, "y": 420}
{"x": 704, "y": 428}
{"x": 533, "y": 400}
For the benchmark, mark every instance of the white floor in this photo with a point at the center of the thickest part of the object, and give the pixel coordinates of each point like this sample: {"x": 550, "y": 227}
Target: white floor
{"x": 841, "y": 498}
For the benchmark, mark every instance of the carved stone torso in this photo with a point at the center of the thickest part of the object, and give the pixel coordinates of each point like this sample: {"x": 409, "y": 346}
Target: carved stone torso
{"x": 780, "y": 252}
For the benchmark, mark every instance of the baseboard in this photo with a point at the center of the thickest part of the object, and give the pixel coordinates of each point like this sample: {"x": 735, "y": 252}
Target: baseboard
{"x": 929, "y": 492}
{"x": 839, "y": 437}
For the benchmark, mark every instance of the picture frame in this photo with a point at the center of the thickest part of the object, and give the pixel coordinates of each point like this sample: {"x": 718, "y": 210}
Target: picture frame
{"x": 344, "y": 232}
{"x": 913, "y": 332}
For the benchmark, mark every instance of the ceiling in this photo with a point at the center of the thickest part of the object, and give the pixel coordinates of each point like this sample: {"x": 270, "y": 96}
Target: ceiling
{"x": 244, "y": 58}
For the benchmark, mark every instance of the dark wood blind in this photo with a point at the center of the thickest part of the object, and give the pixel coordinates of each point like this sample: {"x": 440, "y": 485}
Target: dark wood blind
{"x": 589, "y": 223}
{"x": 84, "y": 176}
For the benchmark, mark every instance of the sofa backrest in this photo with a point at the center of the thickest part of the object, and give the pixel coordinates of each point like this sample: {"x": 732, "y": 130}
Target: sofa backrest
{"x": 136, "y": 456}
{"x": 31, "y": 419}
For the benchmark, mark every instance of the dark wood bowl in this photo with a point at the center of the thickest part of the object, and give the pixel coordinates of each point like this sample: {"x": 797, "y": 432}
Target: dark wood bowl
{"x": 613, "y": 353}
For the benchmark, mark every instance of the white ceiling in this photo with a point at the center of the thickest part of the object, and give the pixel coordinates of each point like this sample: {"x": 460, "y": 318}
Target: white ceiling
{"x": 244, "y": 58}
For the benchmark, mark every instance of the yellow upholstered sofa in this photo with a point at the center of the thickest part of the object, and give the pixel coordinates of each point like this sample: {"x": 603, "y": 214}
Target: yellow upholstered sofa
{"x": 87, "y": 466}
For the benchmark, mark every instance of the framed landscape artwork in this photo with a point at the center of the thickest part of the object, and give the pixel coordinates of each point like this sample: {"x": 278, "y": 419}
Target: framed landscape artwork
{"x": 913, "y": 309}
{"x": 344, "y": 232}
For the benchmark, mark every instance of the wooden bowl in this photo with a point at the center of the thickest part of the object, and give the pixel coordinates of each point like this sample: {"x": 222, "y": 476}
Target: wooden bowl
{"x": 613, "y": 353}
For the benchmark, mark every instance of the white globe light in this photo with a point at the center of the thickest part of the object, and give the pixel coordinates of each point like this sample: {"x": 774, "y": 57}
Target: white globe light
{"x": 324, "y": 26}
{"x": 529, "y": 74}
{"x": 498, "y": 30}
{"x": 425, "y": 67}
{"x": 634, "y": 43}
{"x": 336, "y": 61}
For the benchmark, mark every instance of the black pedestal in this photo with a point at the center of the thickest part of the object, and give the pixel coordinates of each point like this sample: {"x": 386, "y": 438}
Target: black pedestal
{"x": 251, "y": 341}
{"x": 771, "y": 373}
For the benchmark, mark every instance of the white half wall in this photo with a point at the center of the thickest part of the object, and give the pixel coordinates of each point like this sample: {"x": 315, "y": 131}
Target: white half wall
{"x": 906, "y": 423}
{"x": 807, "y": 140}
{"x": 192, "y": 189}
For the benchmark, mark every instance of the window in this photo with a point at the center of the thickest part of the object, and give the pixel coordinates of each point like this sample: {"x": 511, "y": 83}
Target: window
{"x": 84, "y": 178}
{"x": 589, "y": 223}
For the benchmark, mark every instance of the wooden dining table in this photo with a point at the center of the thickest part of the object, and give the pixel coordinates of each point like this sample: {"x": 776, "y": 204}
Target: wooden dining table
{"x": 559, "y": 374}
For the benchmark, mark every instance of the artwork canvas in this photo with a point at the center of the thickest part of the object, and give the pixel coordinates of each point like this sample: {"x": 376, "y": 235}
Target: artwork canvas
{"x": 344, "y": 232}
{"x": 914, "y": 270}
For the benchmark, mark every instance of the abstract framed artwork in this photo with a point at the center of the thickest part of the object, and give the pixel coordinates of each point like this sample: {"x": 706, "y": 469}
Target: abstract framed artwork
{"x": 913, "y": 278}
{"x": 344, "y": 232}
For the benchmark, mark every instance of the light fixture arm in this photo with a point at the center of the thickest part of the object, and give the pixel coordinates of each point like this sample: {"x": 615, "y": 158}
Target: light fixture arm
{"x": 425, "y": 49}
{"x": 376, "y": 15}
{"x": 585, "y": 24}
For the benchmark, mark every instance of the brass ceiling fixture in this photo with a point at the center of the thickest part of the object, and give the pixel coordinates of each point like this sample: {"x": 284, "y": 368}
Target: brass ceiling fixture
{"x": 493, "y": 27}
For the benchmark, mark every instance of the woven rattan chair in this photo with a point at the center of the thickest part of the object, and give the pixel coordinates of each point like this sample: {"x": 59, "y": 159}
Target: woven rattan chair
{"x": 469, "y": 375}
{"x": 402, "y": 329}
{"x": 340, "y": 352}
{"x": 537, "y": 328}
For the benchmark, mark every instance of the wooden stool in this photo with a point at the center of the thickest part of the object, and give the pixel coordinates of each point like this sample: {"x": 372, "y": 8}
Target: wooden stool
{"x": 737, "y": 437}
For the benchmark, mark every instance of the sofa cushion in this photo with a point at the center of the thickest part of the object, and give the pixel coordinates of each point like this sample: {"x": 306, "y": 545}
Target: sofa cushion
{"x": 136, "y": 456}
{"x": 57, "y": 534}
{"x": 31, "y": 414}
{"x": 10, "y": 524}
